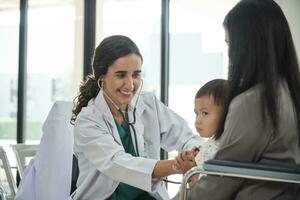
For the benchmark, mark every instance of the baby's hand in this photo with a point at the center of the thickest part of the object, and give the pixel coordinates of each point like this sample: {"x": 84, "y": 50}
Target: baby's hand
{"x": 185, "y": 160}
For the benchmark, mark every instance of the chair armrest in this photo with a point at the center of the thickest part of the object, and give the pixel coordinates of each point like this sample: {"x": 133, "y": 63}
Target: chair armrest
{"x": 258, "y": 171}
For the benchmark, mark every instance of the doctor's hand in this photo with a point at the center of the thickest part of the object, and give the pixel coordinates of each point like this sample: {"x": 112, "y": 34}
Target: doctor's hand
{"x": 185, "y": 160}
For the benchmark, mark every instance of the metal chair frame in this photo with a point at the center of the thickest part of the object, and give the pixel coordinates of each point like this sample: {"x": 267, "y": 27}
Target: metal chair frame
{"x": 287, "y": 174}
{"x": 9, "y": 177}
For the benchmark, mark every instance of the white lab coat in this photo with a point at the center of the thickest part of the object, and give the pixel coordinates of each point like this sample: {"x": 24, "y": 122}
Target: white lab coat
{"x": 103, "y": 162}
{"x": 48, "y": 176}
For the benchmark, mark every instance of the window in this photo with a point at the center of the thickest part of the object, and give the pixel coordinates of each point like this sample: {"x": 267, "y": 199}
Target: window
{"x": 54, "y": 58}
{"x": 9, "y": 37}
{"x": 198, "y": 54}
{"x": 139, "y": 20}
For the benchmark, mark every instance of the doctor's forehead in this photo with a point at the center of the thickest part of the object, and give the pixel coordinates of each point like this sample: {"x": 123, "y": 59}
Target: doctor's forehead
{"x": 131, "y": 62}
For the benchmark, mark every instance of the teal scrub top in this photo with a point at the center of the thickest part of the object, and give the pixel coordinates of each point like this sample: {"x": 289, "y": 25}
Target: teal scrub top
{"x": 124, "y": 191}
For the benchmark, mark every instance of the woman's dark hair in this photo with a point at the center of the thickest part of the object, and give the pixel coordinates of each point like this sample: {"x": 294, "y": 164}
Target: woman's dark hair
{"x": 218, "y": 89}
{"x": 261, "y": 51}
{"x": 108, "y": 51}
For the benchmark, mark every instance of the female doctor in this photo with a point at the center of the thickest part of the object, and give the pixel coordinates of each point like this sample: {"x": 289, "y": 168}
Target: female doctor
{"x": 119, "y": 130}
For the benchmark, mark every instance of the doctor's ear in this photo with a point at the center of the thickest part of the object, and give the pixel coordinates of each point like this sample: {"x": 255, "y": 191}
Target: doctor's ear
{"x": 100, "y": 83}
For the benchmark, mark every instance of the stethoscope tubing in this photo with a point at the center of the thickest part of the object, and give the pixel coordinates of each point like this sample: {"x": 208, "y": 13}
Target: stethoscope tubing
{"x": 133, "y": 129}
{"x": 131, "y": 124}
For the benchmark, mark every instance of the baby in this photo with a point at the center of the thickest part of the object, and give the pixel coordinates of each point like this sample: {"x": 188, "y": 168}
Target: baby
{"x": 210, "y": 105}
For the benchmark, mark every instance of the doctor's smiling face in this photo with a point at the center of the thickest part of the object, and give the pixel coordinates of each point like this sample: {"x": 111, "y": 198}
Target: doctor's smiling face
{"x": 123, "y": 79}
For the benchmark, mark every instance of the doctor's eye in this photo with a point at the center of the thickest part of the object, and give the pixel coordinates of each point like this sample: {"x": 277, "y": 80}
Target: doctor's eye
{"x": 136, "y": 75}
{"x": 120, "y": 74}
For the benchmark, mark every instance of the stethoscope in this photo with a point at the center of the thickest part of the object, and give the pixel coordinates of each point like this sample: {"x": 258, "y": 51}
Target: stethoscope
{"x": 131, "y": 124}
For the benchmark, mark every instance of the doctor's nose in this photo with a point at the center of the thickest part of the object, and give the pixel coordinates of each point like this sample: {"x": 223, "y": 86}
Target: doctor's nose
{"x": 129, "y": 83}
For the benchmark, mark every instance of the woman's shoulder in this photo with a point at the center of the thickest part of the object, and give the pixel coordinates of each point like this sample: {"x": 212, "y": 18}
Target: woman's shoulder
{"x": 252, "y": 97}
{"x": 248, "y": 99}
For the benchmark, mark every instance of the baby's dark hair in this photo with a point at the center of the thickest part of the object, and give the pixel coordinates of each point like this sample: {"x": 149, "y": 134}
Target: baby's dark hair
{"x": 218, "y": 89}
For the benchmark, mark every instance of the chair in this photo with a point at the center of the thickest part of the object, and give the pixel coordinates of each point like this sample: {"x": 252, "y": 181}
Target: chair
{"x": 49, "y": 174}
{"x": 7, "y": 183}
{"x": 24, "y": 153}
{"x": 75, "y": 174}
{"x": 266, "y": 172}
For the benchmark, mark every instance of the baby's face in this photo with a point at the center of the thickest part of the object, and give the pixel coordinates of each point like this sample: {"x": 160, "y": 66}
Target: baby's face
{"x": 208, "y": 116}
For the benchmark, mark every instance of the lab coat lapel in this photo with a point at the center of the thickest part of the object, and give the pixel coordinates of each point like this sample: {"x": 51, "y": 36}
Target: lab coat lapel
{"x": 107, "y": 116}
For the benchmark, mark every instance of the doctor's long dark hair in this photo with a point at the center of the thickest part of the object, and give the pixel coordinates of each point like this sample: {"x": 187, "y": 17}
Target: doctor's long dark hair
{"x": 261, "y": 51}
{"x": 108, "y": 51}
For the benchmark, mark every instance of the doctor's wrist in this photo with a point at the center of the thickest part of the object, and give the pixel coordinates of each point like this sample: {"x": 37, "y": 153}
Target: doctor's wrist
{"x": 165, "y": 168}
